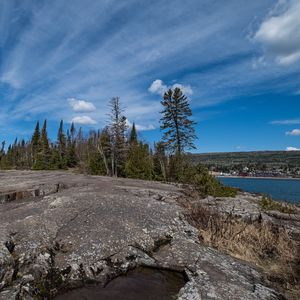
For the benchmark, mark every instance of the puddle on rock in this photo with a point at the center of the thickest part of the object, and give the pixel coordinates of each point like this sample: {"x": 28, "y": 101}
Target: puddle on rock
{"x": 140, "y": 283}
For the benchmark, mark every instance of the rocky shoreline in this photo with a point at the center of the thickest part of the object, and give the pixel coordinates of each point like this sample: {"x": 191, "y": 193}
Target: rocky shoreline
{"x": 60, "y": 231}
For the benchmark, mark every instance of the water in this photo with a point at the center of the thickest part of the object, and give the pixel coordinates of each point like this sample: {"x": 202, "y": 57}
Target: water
{"x": 141, "y": 283}
{"x": 279, "y": 189}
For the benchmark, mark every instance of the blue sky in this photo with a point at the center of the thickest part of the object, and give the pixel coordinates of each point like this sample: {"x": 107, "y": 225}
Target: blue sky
{"x": 239, "y": 64}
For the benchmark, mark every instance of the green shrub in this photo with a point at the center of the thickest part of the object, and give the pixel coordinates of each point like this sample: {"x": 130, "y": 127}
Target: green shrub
{"x": 266, "y": 203}
{"x": 205, "y": 183}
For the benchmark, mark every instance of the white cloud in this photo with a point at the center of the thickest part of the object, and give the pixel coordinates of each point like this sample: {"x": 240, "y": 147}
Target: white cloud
{"x": 144, "y": 127}
{"x": 280, "y": 33}
{"x": 293, "y": 132}
{"x": 81, "y": 105}
{"x": 292, "y": 149}
{"x": 84, "y": 120}
{"x": 141, "y": 127}
{"x": 186, "y": 89}
{"x": 158, "y": 87}
{"x": 286, "y": 122}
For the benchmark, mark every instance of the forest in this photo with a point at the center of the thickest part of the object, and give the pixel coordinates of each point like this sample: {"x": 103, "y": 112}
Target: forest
{"x": 116, "y": 149}
{"x": 272, "y": 163}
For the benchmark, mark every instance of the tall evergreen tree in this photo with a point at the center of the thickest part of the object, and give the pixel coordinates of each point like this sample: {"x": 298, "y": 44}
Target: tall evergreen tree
{"x": 9, "y": 157}
{"x": 72, "y": 132}
{"x": 139, "y": 160}
{"x": 117, "y": 128}
{"x": 61, "y": 143}
{"x": 3, "y": 156}
{"x": 46, "y": 152}
{"x": 71, "y": 147}
{"x": 35, "y": 142}
{"x": 133, "y": 135}
{"x": 179, "y": 132}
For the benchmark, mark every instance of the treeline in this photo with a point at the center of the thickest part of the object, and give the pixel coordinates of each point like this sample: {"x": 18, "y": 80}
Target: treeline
{"x": 278, "y": 163}
{"x": 116, "y": 150}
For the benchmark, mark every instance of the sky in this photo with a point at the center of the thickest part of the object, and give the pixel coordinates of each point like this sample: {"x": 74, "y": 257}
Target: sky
{"x": 238, "y": 61}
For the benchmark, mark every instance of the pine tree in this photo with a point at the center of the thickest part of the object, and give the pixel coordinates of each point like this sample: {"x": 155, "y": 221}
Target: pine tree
{"x": 35, "y": 143}
{"x": 55, "y": 158}
{"x": 46, "y": 152}
{"x": 71, "y": 147}
{"x": 179, "y": 132}
{"x": 9, "y": 157}
{"x": 139, "y": 160}
{"x": 80, "y": 145}
{"x": 117, "y": 130}
{"x": 133, "y": 135}
{"x": 72, "y": 132}
{"x": 61, "y": 142}
{"x": 3, "y": 158}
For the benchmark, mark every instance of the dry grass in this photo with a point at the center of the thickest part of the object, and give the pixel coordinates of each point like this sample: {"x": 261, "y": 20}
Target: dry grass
{"x": 264, "y": 244}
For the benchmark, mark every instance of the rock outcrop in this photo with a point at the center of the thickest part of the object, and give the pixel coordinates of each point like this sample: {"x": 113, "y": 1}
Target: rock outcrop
{"x": 64, "y": 230}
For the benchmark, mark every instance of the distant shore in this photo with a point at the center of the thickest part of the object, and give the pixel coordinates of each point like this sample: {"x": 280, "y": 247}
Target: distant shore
{"x": 256, "y": 177}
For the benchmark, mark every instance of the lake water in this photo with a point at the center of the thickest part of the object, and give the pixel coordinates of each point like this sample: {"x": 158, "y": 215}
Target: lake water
{"x": 278, "y": 189}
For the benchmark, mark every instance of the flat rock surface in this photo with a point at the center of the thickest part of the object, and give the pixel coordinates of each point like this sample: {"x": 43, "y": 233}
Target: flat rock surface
{"x": 75, "y": 228}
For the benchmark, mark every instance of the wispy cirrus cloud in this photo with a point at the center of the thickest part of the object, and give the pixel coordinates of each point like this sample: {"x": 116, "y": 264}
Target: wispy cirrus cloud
{"x": 94, "y": 50}
{"x": 286, "y": 122}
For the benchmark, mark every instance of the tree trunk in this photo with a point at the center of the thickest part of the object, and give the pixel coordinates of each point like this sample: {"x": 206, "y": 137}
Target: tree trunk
{"x": 100, "y": 150}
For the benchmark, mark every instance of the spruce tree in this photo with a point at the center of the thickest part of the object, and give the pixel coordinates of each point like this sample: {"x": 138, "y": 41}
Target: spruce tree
{"x": 35, "y": 143}
{"x": 71, "y": 147}
{"x": 3, "y": 159}
{"x": 72, "y": 132}
{"x": 2, "y": 156}
{"x": 9, "y": 157}
{"x": 139, "y": 159}
{"x": 179, "y": 132}
{"x": 133, "y": 135}
{"x": 117, "y": 128}
{"x": 61, "y": 142}
{"x": 46, "y": 152}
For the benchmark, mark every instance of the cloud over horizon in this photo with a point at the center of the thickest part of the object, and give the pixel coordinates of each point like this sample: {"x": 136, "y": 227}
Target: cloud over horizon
{"x": 292, "y": 149}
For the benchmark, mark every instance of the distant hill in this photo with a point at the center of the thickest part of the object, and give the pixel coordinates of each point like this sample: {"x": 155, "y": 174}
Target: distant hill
{"x": 271, "y": 159}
